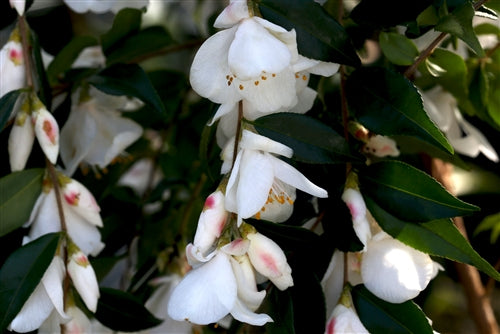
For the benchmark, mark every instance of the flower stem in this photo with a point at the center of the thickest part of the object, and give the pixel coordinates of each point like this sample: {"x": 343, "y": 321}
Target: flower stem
{"x": 24, "y": 32}
{"x": 238, "y": 132}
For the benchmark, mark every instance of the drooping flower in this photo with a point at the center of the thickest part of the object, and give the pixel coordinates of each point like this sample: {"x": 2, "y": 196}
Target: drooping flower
{"x": 96, "y": 133}
{"x": 83, "y": 277}
{"x": 259, "y": 177}
{"x": 47, "y": 297}
{"x": 344, "y": 318}
{"x": 356, "y": 204}
{"x": 12, "y": 64}
{"x": 466, "y": 139}
{"x": 253, "y": 60}
{"x": 99, "y": 6}
{"x": 81, "y": 215}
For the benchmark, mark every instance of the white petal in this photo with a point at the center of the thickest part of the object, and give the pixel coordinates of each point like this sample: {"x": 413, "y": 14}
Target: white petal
{"x": 333, "y": 281}
{"x": 254, "y": 50}
{"x": 80, "y": 200}
{"x": 52, "y": 282}
{"x": 210, "y": 68}
{"x": 223, "y": 110}
{"x": 356, "y": 204}
{"x": 211, "y": 222}
{"x": 47, "y": 133}
{"x": 18, "y": 5}
{"x": 255, "y": 181}
{"x": 21, "y": 140}
{"x": 86, "y": 236}
{"x": 293, "y": 177}
{"x": 305, "y": 100}
{"x": 84, "y": 279}
{"x": 33, "y": 313}
{"x": 247, "y": 286}
{"x": 12, "y": 67}
{"x": 393, "y": 271}
{"x": 345, "y": 320}
{"x": 279, "y": 204}
{"x": 232, "y": 14}
{"x": 206, "y": 294}
{"x": 196, "y": 257}
{"x": 79, "y": 323}
{"x": 253, "y": 141}
{"x": 237, "y": 247}
{"x": 46, "y": 217}
{"x": 232, "y": 185}
{"x": 241, "y": 313}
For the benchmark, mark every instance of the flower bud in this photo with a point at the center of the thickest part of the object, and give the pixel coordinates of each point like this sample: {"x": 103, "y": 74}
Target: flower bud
{"x": 47, "y": 133}
{"x": 82, "y": 202}
{"x": 21, "y": 140}
{"x": 211, "y": 222}
{"x": 83, "y": 276}
{"x": 12, "y": 65}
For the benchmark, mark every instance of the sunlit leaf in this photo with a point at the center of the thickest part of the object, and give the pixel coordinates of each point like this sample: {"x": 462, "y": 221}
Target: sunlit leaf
{"x": 436, "y": 237}
{"x": 410, "y": 194}
{"x": 18, "y": 194}
{"x": 389, "y": 104}
{"x": 381, "y": 317}
{"x": 21, "y": 273}
{"x": 397, "y": 48}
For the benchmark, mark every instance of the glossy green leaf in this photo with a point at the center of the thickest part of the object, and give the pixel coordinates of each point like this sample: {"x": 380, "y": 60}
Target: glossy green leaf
{"x": 140, "y": 45}
{"x": 388, "y": 13}
{"x": 40, "y": 75}
{"x": 7, "y": 103}
{"x": 21, "y": 273}
{"x": 127, "y": 22}
{"x": 397, "y": 48}
{"x": 389, "y": 104}
{"x": 121, "y": 311}
{"x": 279, "y": 306}
{"x": 436, "y": 237}
{"x": 459, "y": 23}
{"x": 410, "y": 194}
{"x": 319, "y": 35}
{"x": 381, "y": 317}
{"x": 18, "y": 194}
{"x": 129, "y": 80}
{"x": 448, "y": 70}
{"x": 65, "y": 58}
{"x": 287, "y": 236}
{"x": 311, "y": 140}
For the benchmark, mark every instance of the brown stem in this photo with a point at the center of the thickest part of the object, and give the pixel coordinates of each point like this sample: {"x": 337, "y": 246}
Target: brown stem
{"x": 490, "y": 285}
{"x": 478, "y": 300}
{"x": 238, "y": 132}
{"x": 24, "y": 32}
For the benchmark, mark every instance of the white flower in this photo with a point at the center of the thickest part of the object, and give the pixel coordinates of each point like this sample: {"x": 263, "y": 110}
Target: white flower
{"x": 141, "y": 175}
{"x": 79, "y": 323}
{"x": 356, "y": 204}
{"x": 258, "y": 177}
{"x": 81, "y": 215}
{"x": 269, "y": 260}
{"x": 83, "y": 277}
{"x": 21, "y": 139}
{"x": 47, "y": 297}
{"x": 381, "y": 146}
{"x": 345, "y": 320}
{"x": 102, "y": 6}
{"x": 253, "y": 60}
{"x": 18, "y": 5}
{"x": 12, "y": 64}
{"x": 95, "y": 134}
{"x": 442, "y": 108}
{"x": 394, "y": 271}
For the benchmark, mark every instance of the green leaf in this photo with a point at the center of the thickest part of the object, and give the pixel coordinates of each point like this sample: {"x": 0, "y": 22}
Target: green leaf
{"x": 388, "y": 13}
{"x": 18, "y": 194}
{"x": 65, "y": 58}
{"x": 397, "y": 48}
{"x": 7, "y": 103}
{"x": 127, "y": 22}
{"x": 379, "y": 316}
{"x": 21, "y": 273}
{"x": 122, "y": 311}
{"x": 130, "y": 80}
{"x": 310, "y": 139}
{"x": 40, "y": 76}
{"x": 491, "y": 222}
{"x": 279, "y": 306}
{"x": 141, "y": 44}
{"x": 319, "y": 36}
{"x": 436, "y": 237}
{"x": 410, "y": 194}
{"x": 459, "y": 23}
{"x": 391, "y": 105}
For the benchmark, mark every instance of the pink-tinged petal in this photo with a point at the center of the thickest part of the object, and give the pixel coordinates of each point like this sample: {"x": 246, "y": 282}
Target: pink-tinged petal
{"x": 255, "y": 180}
{"x": 394, "y": 271}
{"x": 255, "y": 50}
{"x": 206, "y": 294}
{"x": 209, "y": 74}
{"x": 84, "y": 279}
{"x": 47, "y": 133}
{"x": 381, "y": 146}
{"x": 232, "y": 14}
{"x": 12, "y": 66}
{"x": 21, "y": 140}
{"x": 253, "y": 141}
{"x": 293, "y": 177}
{"x": 247, "y": 285}
{"x": 80, "y": 200}
{"x": 79, "y": 323}
{"x": 269, "y": 260}
{"x": 211, "y": 222}
{"x": 237, "y": 247}
{"x": 356, "y": 204}
{"x": 345, "y": 320}
{"x": 241, "y": 313}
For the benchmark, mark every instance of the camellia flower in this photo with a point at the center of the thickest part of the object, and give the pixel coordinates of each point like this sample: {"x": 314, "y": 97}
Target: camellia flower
{"x": 99, "y": 6}
{"x": 33, "y": 120}
{"x": 12, "y": 63}
{"x": 259, "y": 178}
{"x": 47, "y": 297}
{"x": 466, "y": 139}
{"x": 81, "y": 215}
{"x": 19, "y": 5}
{"x": 79, "y": 323}
{"x": 96, "y": 133}
{"x": 83, "y": 277}
{"x": 253, "y": 60}
{"x": 344, "y": 318}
